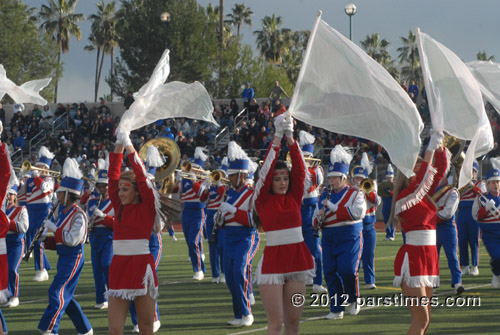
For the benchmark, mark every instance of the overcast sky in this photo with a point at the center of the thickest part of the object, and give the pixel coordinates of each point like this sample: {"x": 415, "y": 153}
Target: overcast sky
{"x": 464, "y": 26}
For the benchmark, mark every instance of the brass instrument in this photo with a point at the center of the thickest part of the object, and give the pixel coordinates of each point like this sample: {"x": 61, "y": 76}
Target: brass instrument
{"x": 367, "y": 185}
{"x": 189, "y": 172}
{"x": 456, "y": 148}
{"x": 310, "y": 161}
{"x": 171, "y": 154}
{"x": 218, "y": 223}
{"x": 26, "y": 167}
{"x": 216, "y": 176}
{"x": 322, "y": 214}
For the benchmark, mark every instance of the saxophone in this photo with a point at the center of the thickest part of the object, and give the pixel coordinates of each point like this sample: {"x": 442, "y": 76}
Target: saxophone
{"x": 322, "y": 215}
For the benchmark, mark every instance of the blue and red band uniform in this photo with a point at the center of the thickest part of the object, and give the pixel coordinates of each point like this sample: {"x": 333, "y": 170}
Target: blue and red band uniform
{"x": 216, "y": 195}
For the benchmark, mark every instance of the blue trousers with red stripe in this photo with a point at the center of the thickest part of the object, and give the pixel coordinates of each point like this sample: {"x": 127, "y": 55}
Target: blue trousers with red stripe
{"x": 254, "y": 250}
{"x": 490, "y": 233}
{"x": 101, "y": 243}
{"x": 468, "y": 235}
{"x": 62, "y": 294}
{"x": 312, "y": 242}
{"x": 368, "y": 256}
{"x": 342, "y": 248}
{"x": 192, "y": 226}
{"x": 238, "y": 246}
{"x": 155, "y": 247}
{"x": 446, "y": 237}
{"x": 390, "y": 232}
{"x": 36, "y": 214}
{"x": 15, "y": 250}
{"x": 215, "y": 256}
{"x": 4, "y": 323}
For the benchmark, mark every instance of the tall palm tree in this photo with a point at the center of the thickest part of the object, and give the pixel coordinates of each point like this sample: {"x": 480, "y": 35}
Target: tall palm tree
{"x": 481, "y": 55}
{"x": 272, "y": 40}
{"x": 409, "y": 58}
{"x": 241, "y": 15}
{"x": 377, "y": 49}
{"x": 60, "y": 22}
{"x": 105, "y": 35}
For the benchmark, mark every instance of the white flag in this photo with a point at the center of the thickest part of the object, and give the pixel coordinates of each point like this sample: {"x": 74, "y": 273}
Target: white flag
{"x": 156, "y": 100}
{"x": 487, "y": 75}
{"x": 342, "y": 89}
{"x": 29, "y": 92}
{"x": 455, "y": 100}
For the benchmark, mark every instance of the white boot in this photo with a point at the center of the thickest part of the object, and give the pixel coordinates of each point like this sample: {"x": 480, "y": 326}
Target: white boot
{"x": 495, "y": 281}
{"x": 199, "y": 275}
{"x": 465, "y": 270}
{"x": 334, "y": 316}
{"x": 41, "y": 275}
{"x": 309, "y": 281}
{"x": 319, "y": 289}
{"x": 103, "y": 305}
{"x": 13, "y": 302}
{"x": 247, "y": 320}
{"x": 90, "y": 332}
{"x": 235, "y": 322}
{"x": 156, "y": 326}
{"x": 459, "y": 288}
{"x": 371, "y": 286}
{"x": 136, "y": 329}
{"x": 474, "y": 271}
{"x": 354, "y": 308}
{"x": 252, "y": 299}
{"x": 222, "y": 278}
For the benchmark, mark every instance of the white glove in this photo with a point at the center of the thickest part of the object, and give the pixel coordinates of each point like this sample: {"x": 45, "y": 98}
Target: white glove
{"x": 436, "y": 141}
{"x": 331, "y": 206}
{"x": 206, "y": 184}
{"x": 279, "y": 125}
{"x": 124, "y": 139}
{"x": 178, "y": 177}
{"x": 91, "y": 186}
{"x": 35, "y": 173}
{"x": 490, "y": 204}
{"x": 225, "y": 207}
{"x": 1, "y": 127}
{"x": 51, "y": 226}
{"x": 288, "y": 126}
{"x": 98, "y": 213}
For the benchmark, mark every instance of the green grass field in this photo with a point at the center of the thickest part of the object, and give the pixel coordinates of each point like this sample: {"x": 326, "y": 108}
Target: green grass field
{"x": 189, "y": 307}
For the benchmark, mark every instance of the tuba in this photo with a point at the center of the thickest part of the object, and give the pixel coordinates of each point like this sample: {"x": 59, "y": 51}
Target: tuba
{"x": 171, "y": 154}
{"x": 456, "y": 147}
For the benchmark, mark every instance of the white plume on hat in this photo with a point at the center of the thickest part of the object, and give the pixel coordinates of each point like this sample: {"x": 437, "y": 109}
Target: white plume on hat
{"x": 101, "y": 164}
{"x": 199, "y": 153}
{"x": 234, "y": 152}
{"x": 224, "y": 161}
{"x": 390, "y": 170}
{"x": 366, "y": 164}
{"x": 252, "y": 166}
{"x": 495, "y": 162}
{"x": 340, "y": 154}
{"x": 306, "y": 138}
{"x": 44, "y": 152}
{"x": 71, "y": 169}
{"x": 153, "y": 157}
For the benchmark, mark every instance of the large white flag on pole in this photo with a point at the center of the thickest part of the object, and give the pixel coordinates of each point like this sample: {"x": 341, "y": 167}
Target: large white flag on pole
{"x": 157, "y": 100}
{"x": 487, "y": 75}
{"x": 29, "y": 92}
{"x": 342, "y": 89}
{"x": 455, "y": 100}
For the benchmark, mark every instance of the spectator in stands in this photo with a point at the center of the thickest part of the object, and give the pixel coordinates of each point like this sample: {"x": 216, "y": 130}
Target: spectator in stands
{"x": 96, "y": 130}
{"x": 72, "y": 110}
{"x": 33, "y": 128}
{"x": 18, "y": 108}
{"x": 17, "y": 120}
{"x": 18, "y": 141}
{"x": 103, "y": 109}
{"x": 60, "y": 110}
{"x": 276, "y": 92}
{"x": 78, "y": 118}
{"x": 47, "y": 113}
{"x": 202, "y": 138}
{"x": 266, "y": 108}
{"x": 129, "y": 100}
{"x": 2, "y": 114}
{"x": 413, "y": 89}
{"x": 234, "y": 108}
{"x": 36, "y": 112}
{"x": 253, "y": 127}
{"x": 183, "y": 126}
{"x": 253, "y": 109}
{"x": 85, "y": 127}
{"x": 226, "y": 118}
{"x": 247, "y": 95}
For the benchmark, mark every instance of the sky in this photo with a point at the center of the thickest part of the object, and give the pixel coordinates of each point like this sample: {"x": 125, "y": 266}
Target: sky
{"x": 464, "y": 26}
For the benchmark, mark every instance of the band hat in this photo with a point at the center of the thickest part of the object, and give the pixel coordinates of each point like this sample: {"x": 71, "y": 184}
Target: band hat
{"x": 340, "y": 158}
{"x": 12, "y": 190}
{"x": 224, "y": 165}
{"x": 102, "y": 174}
{"x": 306, "y": 141}
{"x": 390, "y": 171}
{"x": 72, "y": 177}
{"x": 475, "y": 166}
{"x": 238, "y": 159}
{"x": 492, "y": 175}
{"x": 45, "y": 157}
{"x": 358, "y": 171}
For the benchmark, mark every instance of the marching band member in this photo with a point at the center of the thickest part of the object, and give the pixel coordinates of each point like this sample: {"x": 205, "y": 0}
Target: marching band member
{"x": 487, "y": 213}
{"x": 70, "y": 233}
{"x": 385, "y": 191}
{"x": 342, "y": 238}
{"x": 216, "y": 197}
{"x": 18, "y": 217}
{"x": 416, "y": 266}
{"x": 309, "y": 202}
{"x": 239, "y": 235}
{"x": 286, "y": 262}
{"x": 21, "y": 191}
{"x": 468, "y": 228}
{"x": 100, "y": 210}
{"x": 153, "y": 161}
{"x": 369, "y": 233}
{"x": 39, "y": 190}
{"x": 191, "y": 193}
{"x": 132, "y": 275}
{"x": 5, "y": 175}
{"x": 446, "y": 199}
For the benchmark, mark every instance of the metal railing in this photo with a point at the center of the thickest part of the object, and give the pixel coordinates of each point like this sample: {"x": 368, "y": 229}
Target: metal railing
{"x": 240, "y": 117}
{"x": 220, "y": 136}
{"x": 35, "y": 141}
{"x": 16, "y": 156}
{"x": 60, "y": 122}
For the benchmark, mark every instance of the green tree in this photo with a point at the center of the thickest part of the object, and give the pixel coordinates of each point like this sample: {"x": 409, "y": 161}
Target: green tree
{"x": 295, "y": 46}
{"x": 60, "y": 22}
{"x": 241, "y": 15}
{"x": 481, "y": 55}
{"x": 271, "y": 40}
{"x": 103, "y": 38}
{"x": 190, "y": 37}
{"x": 377, "y": 49}
{"x": 26, "y": 54}
{"x": 409, "y": 59}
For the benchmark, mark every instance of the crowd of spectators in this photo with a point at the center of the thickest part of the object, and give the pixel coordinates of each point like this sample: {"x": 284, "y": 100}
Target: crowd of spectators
{"x": 87, "y": 133}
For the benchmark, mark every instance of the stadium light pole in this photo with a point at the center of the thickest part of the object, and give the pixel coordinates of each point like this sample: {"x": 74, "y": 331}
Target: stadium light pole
{"x": 165, "y": 18}
{"x": 350, "y": 10}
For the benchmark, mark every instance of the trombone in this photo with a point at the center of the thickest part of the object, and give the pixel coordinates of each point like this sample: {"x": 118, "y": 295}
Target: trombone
{"x": 215, "y": 176}
{"x": 26, "y": 167}
{"x": 310, "y": 161}
{"x": 367, "y": 185}
{"x": 189, "y": 172}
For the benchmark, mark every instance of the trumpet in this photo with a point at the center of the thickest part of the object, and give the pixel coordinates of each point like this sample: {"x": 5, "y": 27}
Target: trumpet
{"x": 215, "y": 176}
{"x": 26, "y": 167}
{"x": 310, "y": 161}
{"x": 367, "y": 185}
{"x": 495, "y": 211}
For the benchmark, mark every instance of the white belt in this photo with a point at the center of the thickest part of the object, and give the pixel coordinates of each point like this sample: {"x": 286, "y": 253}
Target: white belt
{"x": 131, "y": 247}
{"x": 421, "y": 237}
{"x": 3, "y": 246}
{"x": 284, "y": 236}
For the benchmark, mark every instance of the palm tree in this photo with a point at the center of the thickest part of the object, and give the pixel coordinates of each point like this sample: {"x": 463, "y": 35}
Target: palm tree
{"x": 376, "y": 48}
{"x": 481, "y": 55}
{"x": 241, "y": 15}
{"x": 104, "y": 37}
{"x": 409, "y": 58}
{"x": 60, "y": 22}
{"x": 272, "y": 40}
